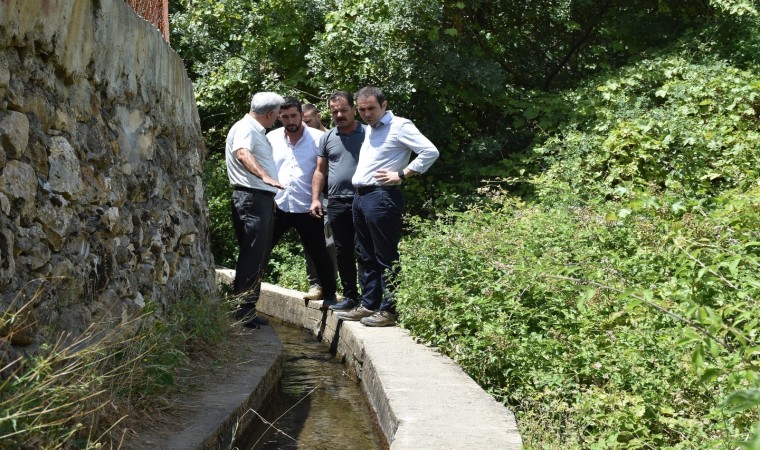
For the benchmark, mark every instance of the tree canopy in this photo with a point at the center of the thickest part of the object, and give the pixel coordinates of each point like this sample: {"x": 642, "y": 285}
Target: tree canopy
{"x": 465, "y": 72}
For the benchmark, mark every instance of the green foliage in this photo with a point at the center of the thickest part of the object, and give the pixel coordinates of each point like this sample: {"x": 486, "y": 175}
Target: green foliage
{"x": 460, "y": 70}
{"x": 287, "y": 267}
{"x": 611, "y": 297}
{"x": 218, "y": 191}
{"x": 617, "y": 307}
{"x": 234, "y": 48}
{"x": 689, "y": 130}
{"x": 592, "y": 363}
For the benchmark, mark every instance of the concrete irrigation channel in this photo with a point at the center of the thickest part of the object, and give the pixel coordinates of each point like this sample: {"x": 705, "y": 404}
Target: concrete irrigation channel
{"x": 420, "y": 398}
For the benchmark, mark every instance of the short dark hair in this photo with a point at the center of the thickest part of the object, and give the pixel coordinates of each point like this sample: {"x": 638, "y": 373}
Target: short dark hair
{"x": 308, "y": 107}
{"x": 341, "y": 94}
{"x": 371, "y": 91}
{"x": 292, "y": 102}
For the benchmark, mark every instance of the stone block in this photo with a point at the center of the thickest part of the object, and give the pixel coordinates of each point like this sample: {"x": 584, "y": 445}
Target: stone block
{"x": 55, "y": 218}
{"x": 96, "y": 189}
{"x": 14, "y": 133}
{"x": 19, "y": 181}
{"x": 5, "y": 204}
{"x": 111, "y": 220}
{"x": 37, "y": 105}
{"x": 31, "y": 247}
{"x": 61, "y": 121}
{"x": 65, "y": 175}
{"x": 37, "y": 150}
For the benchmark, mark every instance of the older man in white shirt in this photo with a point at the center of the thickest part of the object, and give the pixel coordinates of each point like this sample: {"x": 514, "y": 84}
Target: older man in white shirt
{"x": 295, "y": 155}
{"x": 251, "y": 171}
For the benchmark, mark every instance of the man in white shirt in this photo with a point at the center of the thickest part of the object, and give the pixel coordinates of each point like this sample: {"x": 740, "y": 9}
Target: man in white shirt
{"x": 252, "y": 174}
{"x": 378, "y": 204}
{"x": 295, "y": 157}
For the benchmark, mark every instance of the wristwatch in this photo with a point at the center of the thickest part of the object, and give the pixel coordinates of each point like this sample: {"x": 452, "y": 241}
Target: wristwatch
{"x": 401, "y": 175}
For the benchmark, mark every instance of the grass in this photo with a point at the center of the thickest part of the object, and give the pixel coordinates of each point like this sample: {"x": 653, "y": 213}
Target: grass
{"x": 77, "y": 390}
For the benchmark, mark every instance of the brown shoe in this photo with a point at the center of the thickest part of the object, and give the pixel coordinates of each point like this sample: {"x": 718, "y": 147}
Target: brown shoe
{"x": 355, "y": 314}
{"x": 315, "y": 293}
{"x": 380, "y": 319}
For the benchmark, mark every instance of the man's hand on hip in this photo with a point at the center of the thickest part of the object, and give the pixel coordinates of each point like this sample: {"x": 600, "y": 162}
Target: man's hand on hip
{"x": 387, "y": 177}
{"x": 272, "y": 182}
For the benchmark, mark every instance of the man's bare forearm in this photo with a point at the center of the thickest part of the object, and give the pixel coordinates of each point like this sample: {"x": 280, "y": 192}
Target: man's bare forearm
{"x": 317, "y": 184}
{"x": 252, "y": 165}
{"x": 318, "y": 180}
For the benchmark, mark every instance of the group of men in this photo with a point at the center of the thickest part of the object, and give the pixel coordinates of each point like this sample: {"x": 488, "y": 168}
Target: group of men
{"x": 280, "y": 180}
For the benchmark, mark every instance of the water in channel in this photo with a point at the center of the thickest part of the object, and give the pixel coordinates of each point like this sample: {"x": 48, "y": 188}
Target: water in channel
{"x": 321, "y": 406}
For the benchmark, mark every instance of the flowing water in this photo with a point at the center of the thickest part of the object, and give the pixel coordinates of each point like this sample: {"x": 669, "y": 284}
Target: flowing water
{"x": 319, "y": 406}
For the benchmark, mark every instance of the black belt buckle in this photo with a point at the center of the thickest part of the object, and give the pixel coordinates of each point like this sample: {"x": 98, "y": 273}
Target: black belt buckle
{"x": 361, "y": 190}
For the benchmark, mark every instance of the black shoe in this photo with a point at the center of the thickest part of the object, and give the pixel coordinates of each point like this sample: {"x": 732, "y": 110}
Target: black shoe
{"x": 328, "y": 303}
{"x": 255, "y": 322}
{"x": 247, "y": 316}
{"x": 346, "y": 305}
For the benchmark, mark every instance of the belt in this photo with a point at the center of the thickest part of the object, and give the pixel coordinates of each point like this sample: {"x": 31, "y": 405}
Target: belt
{"x": 253, "y": 191}
{"x": 361, "y": 190}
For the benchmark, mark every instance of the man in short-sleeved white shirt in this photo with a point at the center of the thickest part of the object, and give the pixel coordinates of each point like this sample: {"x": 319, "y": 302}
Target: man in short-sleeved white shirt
{"x": 252, "y": 174}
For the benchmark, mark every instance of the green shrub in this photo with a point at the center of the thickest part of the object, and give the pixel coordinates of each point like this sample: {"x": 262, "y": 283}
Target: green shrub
{"x": 218, "y": 191}
{"x": 673, "y": 124}
{"x": 561, "y": 313}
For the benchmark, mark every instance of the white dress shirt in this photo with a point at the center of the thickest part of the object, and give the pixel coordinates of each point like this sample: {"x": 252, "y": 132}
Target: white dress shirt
{"x": 295, "y": 165}
{"x": 389, "y": 145}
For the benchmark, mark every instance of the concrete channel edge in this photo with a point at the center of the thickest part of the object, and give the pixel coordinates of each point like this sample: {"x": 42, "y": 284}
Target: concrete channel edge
{"x": 422, "y": 399}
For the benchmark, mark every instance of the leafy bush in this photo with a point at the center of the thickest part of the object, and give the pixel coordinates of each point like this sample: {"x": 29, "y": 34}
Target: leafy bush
{"x": 664, "y": 124}
{"x": 223, "y": 241}
{"x": 613, "y": 305}
{"x": 571, "y": 315}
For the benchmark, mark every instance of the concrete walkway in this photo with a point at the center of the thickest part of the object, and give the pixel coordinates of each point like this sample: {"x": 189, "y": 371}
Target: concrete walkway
{"x": 421, "y": 398}
{"x": 210, "y": 415}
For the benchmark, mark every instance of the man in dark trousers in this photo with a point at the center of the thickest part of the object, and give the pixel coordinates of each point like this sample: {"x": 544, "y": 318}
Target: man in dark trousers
{"x": 336, "y": 162}
{"x": 295, "y": 157}
{"x": 311, "y": 117}
{"x": 252, "y": 174}
{"x": 378, "y": 203}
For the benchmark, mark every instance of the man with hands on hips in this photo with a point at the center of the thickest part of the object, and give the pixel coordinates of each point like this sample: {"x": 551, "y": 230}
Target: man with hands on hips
{"x": 379, "y": 204}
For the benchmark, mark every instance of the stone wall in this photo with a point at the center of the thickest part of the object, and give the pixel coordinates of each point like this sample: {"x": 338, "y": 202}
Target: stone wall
{"x": 102, "y": 207}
